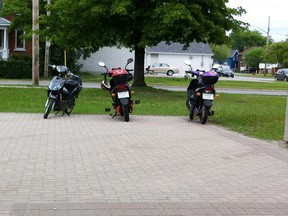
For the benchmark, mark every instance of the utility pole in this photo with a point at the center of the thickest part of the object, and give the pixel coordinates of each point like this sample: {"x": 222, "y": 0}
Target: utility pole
{"x": 47, "y": 49}
{"x": 35, "y": 43}
{"x": 267, "y": 43}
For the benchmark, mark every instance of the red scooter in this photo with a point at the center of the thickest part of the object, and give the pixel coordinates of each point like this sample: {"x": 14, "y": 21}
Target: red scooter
{"x": 120, "y": 90}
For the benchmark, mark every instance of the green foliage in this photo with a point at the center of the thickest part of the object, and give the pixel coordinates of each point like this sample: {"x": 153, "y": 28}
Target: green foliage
{"x": 278, "y": 52}
{"x": 89, "y": 25}
{"x": 16, "y": 69}
{"x": 21, "y": 11}
{"x": 221, "y": 52}
{"x": 254, "y": 57}
{"x": 137, "y": 23}
{"x": 245, "y": 39}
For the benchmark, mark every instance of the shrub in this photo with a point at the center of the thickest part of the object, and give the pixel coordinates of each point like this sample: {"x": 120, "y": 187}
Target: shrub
{"x": 16, "y": 69}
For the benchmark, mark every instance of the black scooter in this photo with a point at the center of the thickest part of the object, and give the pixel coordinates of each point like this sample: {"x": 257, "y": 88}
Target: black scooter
{"x": 201, "y": 93}
{"x": 62, "y": 91}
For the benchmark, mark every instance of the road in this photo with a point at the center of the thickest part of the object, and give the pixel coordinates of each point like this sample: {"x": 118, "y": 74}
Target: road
{"x": 177, "y": 88}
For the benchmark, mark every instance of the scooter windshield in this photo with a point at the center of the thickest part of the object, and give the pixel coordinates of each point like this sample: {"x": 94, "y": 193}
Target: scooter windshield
{"x": 56, "y": 83}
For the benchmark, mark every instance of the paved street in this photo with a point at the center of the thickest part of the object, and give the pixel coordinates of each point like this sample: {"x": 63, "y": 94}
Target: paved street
{"x": 95, "y": 165}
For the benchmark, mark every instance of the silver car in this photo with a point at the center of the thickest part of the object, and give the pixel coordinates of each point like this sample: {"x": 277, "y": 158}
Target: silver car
{"x": 162, "y": 68}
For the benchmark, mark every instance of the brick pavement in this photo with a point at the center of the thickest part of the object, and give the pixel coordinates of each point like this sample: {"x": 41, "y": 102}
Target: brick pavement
{"x": 95, "y": 165}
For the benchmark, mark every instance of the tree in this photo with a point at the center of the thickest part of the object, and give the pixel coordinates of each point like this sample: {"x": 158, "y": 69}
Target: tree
{"x": 221, "y": 52}
{"x": 244, "y": 39}
{"x": 278, "y": 53}
{"x": 254, "y": 57}
{"x": 88, "y": 25}
{"x": 21, "y": 11}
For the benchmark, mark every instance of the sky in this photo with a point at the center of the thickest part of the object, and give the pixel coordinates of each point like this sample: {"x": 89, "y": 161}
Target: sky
{"x": 258, "y": 13}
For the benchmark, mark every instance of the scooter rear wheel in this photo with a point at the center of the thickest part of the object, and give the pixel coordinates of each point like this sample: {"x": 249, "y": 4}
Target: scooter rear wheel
{"x": 204, "y": 114}
{"x": 126, "y": 112}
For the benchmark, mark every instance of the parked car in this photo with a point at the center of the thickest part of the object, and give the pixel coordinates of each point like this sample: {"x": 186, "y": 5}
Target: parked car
{"x": 227, "y": 72}
{"x": 282, "y": 74}
{"x": 162, "y": 68}
{"x": 224, "y": 70}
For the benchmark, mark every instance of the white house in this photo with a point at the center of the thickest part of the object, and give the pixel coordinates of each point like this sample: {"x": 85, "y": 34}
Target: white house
{"x": 199, "y": 54}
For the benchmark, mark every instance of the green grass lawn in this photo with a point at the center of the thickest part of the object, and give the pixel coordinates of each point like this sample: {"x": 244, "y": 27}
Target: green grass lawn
{"x": 253, "y": 115}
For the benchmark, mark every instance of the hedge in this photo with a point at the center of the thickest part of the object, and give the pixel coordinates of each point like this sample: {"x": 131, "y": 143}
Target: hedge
{"x": 16, "y": 69}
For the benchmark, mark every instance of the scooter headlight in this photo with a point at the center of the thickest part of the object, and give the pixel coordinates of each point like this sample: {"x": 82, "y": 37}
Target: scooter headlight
{"x": 55, "y": 87}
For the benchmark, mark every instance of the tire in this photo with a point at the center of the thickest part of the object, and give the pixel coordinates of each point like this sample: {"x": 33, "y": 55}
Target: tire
{"x": 125, "y": 109}
{"x": 170, "y": 73}
{"x": 285, "y": 79}
{"x": 193, "y": 113}
{"x": 204, "y": 115}
{"x": 49, "y": 106}
{"x": 70, "y": 108}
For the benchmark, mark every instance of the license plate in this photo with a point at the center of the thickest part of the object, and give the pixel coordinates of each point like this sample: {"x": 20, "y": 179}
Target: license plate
{"x": 208, "y": 96}
{"x": 124, "y": 94}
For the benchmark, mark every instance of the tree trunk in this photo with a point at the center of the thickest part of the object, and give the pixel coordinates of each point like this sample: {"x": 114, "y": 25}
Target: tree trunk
{"x": 139, "y": 67}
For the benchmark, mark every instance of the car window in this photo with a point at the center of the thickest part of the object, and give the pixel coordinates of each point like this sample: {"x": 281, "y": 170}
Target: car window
{"x": 165, "y": 65}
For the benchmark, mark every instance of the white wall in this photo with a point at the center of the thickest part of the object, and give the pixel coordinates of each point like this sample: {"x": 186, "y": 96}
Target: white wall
{"x": 111, "y": 56}
{"x": 114, "y": 57}
{"x": 178, "y": 61}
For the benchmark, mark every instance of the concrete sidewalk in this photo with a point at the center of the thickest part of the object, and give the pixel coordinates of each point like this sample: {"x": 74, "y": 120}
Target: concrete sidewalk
{"x": 95, "y": 165}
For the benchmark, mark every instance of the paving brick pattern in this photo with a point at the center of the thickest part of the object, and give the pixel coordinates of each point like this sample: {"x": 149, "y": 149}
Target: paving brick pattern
{"x": 94, "y": 165}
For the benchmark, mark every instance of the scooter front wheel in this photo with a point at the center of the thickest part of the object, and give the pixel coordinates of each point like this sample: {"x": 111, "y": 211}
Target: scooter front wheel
{"x": 49, "y": 106}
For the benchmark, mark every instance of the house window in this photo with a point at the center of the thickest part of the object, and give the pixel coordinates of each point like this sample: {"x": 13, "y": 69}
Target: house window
{"x": 19, "y": 41}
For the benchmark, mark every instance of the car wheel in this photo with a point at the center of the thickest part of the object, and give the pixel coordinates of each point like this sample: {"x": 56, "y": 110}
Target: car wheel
{"x": 151, "y": 72}
{"x": 170, "y": 73}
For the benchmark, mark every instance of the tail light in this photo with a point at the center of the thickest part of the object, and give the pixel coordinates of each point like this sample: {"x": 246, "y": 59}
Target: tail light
{"x": 209, "y": 89}
{"x": 122, "y": 87}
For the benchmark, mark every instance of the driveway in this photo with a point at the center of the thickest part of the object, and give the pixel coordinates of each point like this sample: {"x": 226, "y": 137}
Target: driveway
{"x": 152, "y": 165}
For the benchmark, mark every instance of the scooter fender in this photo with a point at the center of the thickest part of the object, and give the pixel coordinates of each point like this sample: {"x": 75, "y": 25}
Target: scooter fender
{"x": 124, "y": 101}
{"x": 52, "y": 96}
{"x": 208, "y": 103}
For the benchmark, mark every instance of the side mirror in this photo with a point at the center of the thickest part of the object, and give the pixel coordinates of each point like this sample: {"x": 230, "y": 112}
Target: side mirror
{"x": 129, "y": 60}
{"x": 101, "y": 64}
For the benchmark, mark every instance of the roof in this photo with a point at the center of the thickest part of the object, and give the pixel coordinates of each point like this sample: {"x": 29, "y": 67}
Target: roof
{"x": 4, "y": 22}
{"x": 248, "y": 49}
{"x": 233, "y": 52}
{"x": 196, "y": 48}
